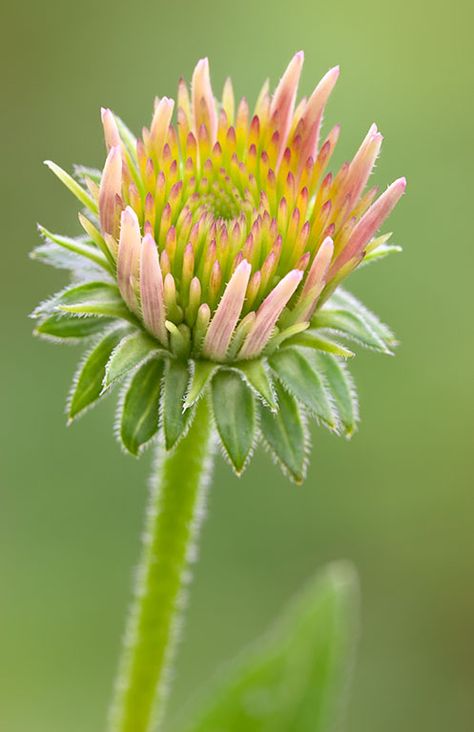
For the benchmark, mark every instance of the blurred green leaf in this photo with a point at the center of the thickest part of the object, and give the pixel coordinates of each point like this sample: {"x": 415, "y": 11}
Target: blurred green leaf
{"x": 295, "y": 679}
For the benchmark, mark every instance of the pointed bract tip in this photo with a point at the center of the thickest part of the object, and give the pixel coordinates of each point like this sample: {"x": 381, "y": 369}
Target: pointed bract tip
{"x": 243, "y": 266}
{"x": 202, "y": 64}
{"x": 148, "y": 240}
{"x": 327, "y": 245}
{"x": 129, "y": 215}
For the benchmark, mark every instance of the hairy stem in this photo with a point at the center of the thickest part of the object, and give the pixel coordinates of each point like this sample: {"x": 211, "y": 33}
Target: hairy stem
{"x": 178, "y": 488}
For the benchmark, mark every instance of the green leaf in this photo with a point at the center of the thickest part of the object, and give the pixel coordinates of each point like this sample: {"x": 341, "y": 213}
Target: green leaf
{"x": 65, "y": 327}
{"x": 234, "y": 411}
{"x": 342, "y": 389}
{"x": 140, "y": 406}
{"x": 130, "y": 353}
{"x": 176, "y": 420}
{"x": 319, "y": 343}
{"x": 257, "y": 376}
{"x": 203, "y": 371}
{"x": 299, "y": 377}
{"x": 285, "y": 434}
{"x": 97, "y": 298}
{"x": 295, "y": 679}
{"x": 73, "y": 186}
{"x": 77, "y": 246}
{"x": 87, "y": 385}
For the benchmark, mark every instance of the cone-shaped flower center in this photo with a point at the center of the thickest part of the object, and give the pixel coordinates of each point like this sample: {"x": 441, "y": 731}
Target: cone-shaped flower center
{"x": 225, "y": 227}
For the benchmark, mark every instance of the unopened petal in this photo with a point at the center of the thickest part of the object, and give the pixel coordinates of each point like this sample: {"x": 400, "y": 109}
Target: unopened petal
{"x": 151, "y": 290}
{"x": 313, "y": 115}
{"x": 283, "y": 102}
{"x": 361, "y": 166}
{"x": 222, "y": 326}
{"x": 268, "y": 314}
{"x": 370, "y": 222}
{"x": 128, "y": 258}
{"x": 316, "y": 279}
{"x": 203, "y": 102}
{"x": 111, "y": 131}
{"x": 110, "y": 188}
{"x": 161, "y": 122}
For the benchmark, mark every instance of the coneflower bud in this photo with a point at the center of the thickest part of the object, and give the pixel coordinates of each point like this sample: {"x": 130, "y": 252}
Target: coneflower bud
{"x": 222, "y": 242}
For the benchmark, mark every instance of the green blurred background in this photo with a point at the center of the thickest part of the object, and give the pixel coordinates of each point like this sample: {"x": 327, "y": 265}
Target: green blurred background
{"x": 398, "y": 500}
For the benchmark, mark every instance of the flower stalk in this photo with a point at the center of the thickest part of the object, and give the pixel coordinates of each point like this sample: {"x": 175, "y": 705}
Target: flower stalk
{"x": 178, "y": 490}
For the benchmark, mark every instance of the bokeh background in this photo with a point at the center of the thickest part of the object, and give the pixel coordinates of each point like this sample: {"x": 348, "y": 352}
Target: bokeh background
{"x": 398, "y": 500}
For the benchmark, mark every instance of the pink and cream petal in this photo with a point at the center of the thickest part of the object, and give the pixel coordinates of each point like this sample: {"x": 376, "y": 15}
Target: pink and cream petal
{"x": 223, "y": 323}
{"x": 268, "y": 314}
{"x": 151, "y": 290}
{"x": 128, "y": 258}
{"x": 110, "y": 188}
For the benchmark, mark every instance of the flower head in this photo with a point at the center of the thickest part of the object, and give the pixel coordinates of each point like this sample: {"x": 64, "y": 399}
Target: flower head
{"x": 214, "y": 246}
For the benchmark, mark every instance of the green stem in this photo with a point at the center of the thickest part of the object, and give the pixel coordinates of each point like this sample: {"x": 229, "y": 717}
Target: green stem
{"x": 178, "y": 488}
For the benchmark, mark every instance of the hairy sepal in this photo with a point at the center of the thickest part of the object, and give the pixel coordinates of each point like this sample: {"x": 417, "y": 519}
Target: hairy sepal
{"x": 77, "y": 246}
{"x": 64, "y": 328}
{"x": 79, "y": 192}
{"x": 233, "y": 405}
{"x": 286, "y": 436}
{"x": 350, "y": 326}
{"x": 379, "y": 253}
{"x": 80, "y": 269}
{"x": 87, "y": 383}
{"x": 317, "y": 342}
{"x": 299, "y": 377}
{"x": 176, "y": 420}
{"x": 133, "y": 350}
{"x": 342, "y": 388}
{"x": 202, "y": 374}
{"x": 259, "y": 380}
{"x": 94, "y": 298}
{"x": 372, "y": 321}
{"x": 138, "y": 411}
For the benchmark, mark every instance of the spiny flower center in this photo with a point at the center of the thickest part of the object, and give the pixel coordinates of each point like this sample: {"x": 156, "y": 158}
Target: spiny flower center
{"x": 225, "y": 229}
